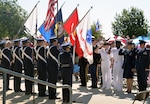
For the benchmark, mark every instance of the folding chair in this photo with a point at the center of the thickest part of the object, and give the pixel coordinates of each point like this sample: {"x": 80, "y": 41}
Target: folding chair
{"x": 143, "y": 95}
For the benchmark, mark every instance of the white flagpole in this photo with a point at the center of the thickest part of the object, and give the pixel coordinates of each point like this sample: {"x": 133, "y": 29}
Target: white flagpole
{"x": 26, "y": 20}
{"x": 73, "y": 56}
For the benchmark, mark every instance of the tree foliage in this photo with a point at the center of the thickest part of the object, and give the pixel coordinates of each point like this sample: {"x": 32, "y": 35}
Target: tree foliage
{"x": 11, "y": 18}
{"x": 130, "y": 22}
{"x": 95, "y": 33}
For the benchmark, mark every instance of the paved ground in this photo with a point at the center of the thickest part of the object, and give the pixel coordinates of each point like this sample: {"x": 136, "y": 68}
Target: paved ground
{"x": 82, "y": 95}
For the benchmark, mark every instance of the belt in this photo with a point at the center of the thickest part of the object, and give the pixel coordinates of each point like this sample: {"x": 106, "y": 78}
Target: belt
{"x": 65, "y": 65}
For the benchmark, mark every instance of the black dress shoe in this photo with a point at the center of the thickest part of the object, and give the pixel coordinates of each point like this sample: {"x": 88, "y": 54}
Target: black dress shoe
{"x": 89, "y": 86}
{"x": 8, "y": 89}
{"x": 82, "y": 85}
{"x": 19, "y": 90}
{"x": 128, "y": 91}
{"x": 94, "y": 86}
{"x": 33, "y": 93}
{"x": 30, "y": 93}
{"x": 43, "y": 95}
{"x": 27, "y": 93}
{"x": 65, "y": 101}
{"x": 54, "y": 98}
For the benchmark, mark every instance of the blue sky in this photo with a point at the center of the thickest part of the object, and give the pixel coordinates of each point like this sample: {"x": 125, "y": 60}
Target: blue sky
{"x": 104, "y": 10}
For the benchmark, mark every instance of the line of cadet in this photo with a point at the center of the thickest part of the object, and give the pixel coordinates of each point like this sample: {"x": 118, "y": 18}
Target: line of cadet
{"x": 114, "y": 61}
{"x": 19, "y": 57}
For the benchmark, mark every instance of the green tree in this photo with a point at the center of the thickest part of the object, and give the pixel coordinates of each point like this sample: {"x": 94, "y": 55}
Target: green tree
{"x": 12, "y": 17}
{"x": 130, "y": 22}
{"x": 95, "y": 33}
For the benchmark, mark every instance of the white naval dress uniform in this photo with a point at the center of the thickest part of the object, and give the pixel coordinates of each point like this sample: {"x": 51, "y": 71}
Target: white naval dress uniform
{"x": 117, "y": 69}
{"x": 105, "y": 67}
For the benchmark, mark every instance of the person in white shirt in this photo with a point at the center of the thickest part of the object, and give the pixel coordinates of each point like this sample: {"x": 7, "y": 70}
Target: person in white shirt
{"x": 117, "y": 67}
{"x": 105, "y": 65}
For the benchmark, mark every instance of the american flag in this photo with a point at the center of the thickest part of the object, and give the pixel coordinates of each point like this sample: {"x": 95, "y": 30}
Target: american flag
{"x": 50, "y": 14}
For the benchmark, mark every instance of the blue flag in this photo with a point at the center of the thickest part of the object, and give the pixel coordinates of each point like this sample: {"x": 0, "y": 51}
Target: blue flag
{"x": 54, "y": 30}
{"x": 97, "y": 26}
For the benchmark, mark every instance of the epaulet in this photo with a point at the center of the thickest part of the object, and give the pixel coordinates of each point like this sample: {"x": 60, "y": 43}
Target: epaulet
{"x": 148, "y": 49}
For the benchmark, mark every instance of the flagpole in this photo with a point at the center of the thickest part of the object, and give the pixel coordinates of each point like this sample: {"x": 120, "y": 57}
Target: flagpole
{"x": 85, "y": 14}
{"x": 72, "y": 13}
{"x": 26, "y": 19}
{"x": 74, "y": 47}
{"x": 74, "y": 30}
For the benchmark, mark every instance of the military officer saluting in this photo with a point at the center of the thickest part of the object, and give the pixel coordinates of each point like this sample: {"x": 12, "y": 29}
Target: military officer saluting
{"x": 142, "y": 64}
{"x": 27, "y": 56}
{"x": 128, "y": 65}
{"x": 17, "y": 64}
{"x": 41, "y": 65}
{"x": 66, "y": 66}
{"x": 52, "y": 68}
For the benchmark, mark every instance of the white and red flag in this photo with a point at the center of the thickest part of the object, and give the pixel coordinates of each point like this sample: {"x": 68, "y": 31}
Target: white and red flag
{"x": 84, "y": 34}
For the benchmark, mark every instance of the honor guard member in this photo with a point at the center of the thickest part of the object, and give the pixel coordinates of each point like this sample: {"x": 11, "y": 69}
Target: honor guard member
{"x": 117, "y": 67}
{"x": 6, "y": 60}
{"x": 40, "y": 53}
{"x": 17, "y": 64}
{"x": 66, "y": 66}
{"x": 83, "y": 75}
{"x": 27, "y": 56}
{"x": 93, "y": 67}
{"x": 52, "y": 61}
{"x": 2, "y": 43}
{"x": 142, "y": 64}
{"x": 128, "y": 65}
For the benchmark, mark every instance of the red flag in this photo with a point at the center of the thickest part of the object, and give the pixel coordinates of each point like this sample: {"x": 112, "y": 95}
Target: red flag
{"x": 50, "y": 14}
{"x": 71, "y": 24}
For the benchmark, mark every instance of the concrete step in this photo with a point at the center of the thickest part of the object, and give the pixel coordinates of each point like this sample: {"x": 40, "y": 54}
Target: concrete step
{"x": 81, "y": 95}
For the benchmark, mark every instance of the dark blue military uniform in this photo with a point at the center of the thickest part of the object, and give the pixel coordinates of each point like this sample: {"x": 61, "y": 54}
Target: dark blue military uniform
{"x": 6, "y": 62}
{"x": 41, "y": 67}
{"x": 17, "y": 66}
{"x": 83, "y": 63}
{"x": 66, "y": 66}
{"x": 142, "y": 63}
{"x": 129, "y": 62}
{"x": 1, "y": 47}
{"x": 28, "y": 67}
{"x": 52, "y": 61}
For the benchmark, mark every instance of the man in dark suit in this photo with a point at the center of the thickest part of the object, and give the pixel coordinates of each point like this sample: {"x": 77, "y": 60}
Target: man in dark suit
{"x": 52, "y": 62}
{"x": 83, "y": 75}
{"x": 17, "y": 64}
{"x": 27, "y": 56}
{"x": 40, "y": 54}
{"x": 142, "y": 64}
{"x": 93, "y": 66}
